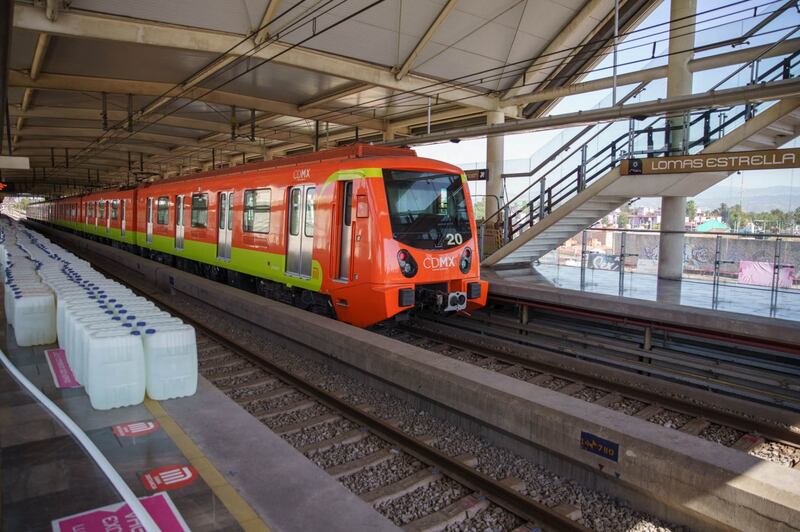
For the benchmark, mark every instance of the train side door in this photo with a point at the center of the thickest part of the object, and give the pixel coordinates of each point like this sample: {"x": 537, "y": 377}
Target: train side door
{"x": 179, "y": 222}
{"x": 346, "y": 236}
{"x": 108, "y": 216}
{"x": 122, "y": 217}
{"x": 300, "y": 239}
{"x": 149, "y": 219}
{"x": 224, "y": 224}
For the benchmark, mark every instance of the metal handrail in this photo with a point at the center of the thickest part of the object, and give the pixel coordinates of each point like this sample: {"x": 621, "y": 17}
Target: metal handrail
{"x": 608, "y": 156}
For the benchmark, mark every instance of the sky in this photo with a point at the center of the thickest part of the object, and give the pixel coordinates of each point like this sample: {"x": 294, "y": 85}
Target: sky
{"x": 717, "y": 20}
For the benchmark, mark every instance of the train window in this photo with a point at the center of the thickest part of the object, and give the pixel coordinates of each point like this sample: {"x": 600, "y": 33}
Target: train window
{"x": 230, "y": 211}
{"x": 199, "y": 210}
{"x": 101, "y": 209}
{"x": 309, "y": 227}
{"x": 256, "y": 210}
{"x": 294, "y": 215}
{"x": 162, "y": 212}
{"x": 348, "y": 203}
{"x": 114, "y": 209}
{"x": 91, "y": 209}
{"x": 221, "y": 207}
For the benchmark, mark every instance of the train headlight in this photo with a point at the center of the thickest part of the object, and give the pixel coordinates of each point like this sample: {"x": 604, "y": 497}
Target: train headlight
{"x": 466, "y": 260}
{"x": 408, "y": 266}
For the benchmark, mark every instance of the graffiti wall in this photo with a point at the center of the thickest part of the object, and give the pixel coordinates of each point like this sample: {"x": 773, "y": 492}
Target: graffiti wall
{"x": 603, "y": 250}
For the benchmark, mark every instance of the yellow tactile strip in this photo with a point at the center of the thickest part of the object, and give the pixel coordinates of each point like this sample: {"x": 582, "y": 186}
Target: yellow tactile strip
{"x": 240, "y": 509}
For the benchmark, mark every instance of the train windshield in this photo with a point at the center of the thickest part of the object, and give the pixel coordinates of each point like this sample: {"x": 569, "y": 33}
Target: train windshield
{"x": 427, "y": 210}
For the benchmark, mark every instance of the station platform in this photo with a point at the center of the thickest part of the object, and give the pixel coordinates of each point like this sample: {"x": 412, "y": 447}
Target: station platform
{"x": 741, "y": 299}
{"x": 201, "y": 462}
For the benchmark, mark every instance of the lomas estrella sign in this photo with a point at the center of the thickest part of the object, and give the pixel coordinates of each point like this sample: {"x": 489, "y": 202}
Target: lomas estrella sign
{"x": 713, "y": 162}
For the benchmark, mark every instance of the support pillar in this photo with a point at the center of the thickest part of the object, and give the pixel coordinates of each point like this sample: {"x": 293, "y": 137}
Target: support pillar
{"x": 679, "y": 83}
{"x": 6, "y": 25}
{"x": 388, "y": 135}
{"x": 494, "y": 163}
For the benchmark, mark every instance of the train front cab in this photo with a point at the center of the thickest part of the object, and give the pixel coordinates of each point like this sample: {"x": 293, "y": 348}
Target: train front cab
{"x": 413, "y": 233}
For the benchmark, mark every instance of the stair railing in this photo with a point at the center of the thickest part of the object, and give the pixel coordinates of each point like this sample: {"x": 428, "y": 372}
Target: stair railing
{"x": 551, "y": 195}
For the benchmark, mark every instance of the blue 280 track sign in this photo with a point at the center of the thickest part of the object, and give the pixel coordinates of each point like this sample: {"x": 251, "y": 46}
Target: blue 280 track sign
{"x": 600, "y": 446}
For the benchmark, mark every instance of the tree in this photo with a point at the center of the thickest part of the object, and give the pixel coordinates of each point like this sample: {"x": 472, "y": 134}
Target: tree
{"x": 622, "y": 221}
{"x": 691, "y": 210}
{"x": 724, "y": 212}
{"x": 797, "y": 216}
{"x": 737, "y": 218}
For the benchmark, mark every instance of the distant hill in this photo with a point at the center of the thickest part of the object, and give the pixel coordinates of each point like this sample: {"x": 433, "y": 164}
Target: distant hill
{"x": 754, "y": 199}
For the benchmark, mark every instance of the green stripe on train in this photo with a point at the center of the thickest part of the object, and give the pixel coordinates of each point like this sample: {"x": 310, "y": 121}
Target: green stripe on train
{"x": 261, "y": 264}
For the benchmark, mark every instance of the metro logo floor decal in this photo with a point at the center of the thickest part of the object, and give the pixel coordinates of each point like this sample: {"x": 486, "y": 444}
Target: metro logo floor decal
{"x": 60, "y": 370}
{"x": 119, "y": 517}
{"x": 169, "y": 477}
{"x": 135, "y": 429}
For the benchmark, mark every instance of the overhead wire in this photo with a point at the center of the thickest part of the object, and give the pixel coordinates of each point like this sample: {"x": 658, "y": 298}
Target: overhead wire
{"x": 410, "y": 96}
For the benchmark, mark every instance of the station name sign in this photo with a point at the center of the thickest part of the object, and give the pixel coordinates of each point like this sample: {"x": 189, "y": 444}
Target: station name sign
{"x": 713, "y": 162}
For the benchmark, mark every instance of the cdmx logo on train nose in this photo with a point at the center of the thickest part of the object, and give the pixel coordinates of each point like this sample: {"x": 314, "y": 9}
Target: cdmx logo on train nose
{"x": 438, "y": 263}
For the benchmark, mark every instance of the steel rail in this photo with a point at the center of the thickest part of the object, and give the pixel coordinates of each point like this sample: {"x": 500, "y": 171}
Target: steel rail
{"x": 775, "y": 345}
{"x": 722, "y": 378}
{"x": 511, "y": 500}
{"x": 772, "y": 432}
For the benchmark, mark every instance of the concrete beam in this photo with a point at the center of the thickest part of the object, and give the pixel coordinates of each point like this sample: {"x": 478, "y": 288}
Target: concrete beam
{"x": 737, "y": 57}
{"x": 403, "y": 69}
{"x": 561, "y": 48}
{"x": 95, "y": 133}
{"x": 337, "y": 94}
{"x": 775, "y": 90}
{"x": 39, "y": 53}
{"x": 79, "y": 144}
{"x": 171, "y": 120}
{"x": 93, "y": 26}
{"x": 266, "y": 18}
{"x": 65, "y": 82}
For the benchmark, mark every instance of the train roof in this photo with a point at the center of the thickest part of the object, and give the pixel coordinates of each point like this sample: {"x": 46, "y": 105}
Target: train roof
{"x": 352, "y": 151}
{"x": 358, "y": 150}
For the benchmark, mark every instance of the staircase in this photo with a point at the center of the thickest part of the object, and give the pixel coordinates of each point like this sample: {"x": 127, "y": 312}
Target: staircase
{"x": 595, "y": 188}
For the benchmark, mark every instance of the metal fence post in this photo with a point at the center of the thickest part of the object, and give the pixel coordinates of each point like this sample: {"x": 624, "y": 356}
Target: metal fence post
{"x": 530, "y": 214}
{"x": 582, "y": 170}
{"x": 631, "y": 136}
{"x": 506, "y": 235}
{"x": 622, "y": 263}
{"x": 650, "y": 141}
{"x": 687, "y": 117}
{"x": 776, "y": 274}
{"x": 542, "y": 192}
{"x": 583, "y": 260}
{"x": 706, "y": 128}
{"x": 613, "y": 161}
{"x": 715, "y": 283}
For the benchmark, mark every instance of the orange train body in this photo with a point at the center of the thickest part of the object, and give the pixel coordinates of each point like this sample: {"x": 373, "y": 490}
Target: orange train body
{"x": 368, "y": 232}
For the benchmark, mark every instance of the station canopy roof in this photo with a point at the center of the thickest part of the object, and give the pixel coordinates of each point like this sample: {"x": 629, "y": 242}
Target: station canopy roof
{"x": 207, "y": 82}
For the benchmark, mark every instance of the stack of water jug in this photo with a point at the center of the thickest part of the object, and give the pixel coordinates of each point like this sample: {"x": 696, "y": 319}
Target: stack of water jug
{"x": 118, "y": 345}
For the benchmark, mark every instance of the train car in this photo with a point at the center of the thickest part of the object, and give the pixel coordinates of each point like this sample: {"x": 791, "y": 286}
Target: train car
{"x": 362, "y": 233}
{"x": 109, "y": 215}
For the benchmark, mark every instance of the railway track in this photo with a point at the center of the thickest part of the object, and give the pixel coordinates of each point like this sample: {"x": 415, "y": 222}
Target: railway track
{"x": 422, "y": 489}
{"x": 525, "y": 361}
{"x": 348, "y": 442}
{"x": 750, "y": 373}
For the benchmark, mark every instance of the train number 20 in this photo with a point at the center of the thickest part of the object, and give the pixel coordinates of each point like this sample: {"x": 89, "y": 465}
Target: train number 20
{"x": 454, "y": 239}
